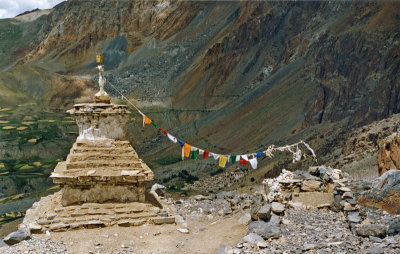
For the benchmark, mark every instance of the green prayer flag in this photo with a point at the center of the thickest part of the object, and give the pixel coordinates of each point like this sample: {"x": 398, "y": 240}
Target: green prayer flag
{"x": 233, "y": 159}
{"x": 195, "y": 154}
{"x": 155, "y": 125}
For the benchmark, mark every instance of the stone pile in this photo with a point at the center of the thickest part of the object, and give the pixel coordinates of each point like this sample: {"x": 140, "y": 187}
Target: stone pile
{"x": 319, "y": 179}
{"x": 221, "y": 204}
{"x": 343, "y": 201}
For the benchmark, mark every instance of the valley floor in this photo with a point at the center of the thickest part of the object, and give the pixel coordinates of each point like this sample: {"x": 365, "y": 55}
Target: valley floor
{"x": 206, "y": 236}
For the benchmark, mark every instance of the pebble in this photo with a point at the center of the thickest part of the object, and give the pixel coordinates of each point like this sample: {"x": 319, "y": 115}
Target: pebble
{"x": 183, "y": 230}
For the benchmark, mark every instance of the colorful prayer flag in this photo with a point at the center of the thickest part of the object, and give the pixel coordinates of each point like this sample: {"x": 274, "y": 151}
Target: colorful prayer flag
{"x": 181, "y": 142}
{"x": 187, "y": 148}
{"x": 222, "y": 161}
{"x": 155, "y": 125}
{"x": 147, "y": 120}
{"x": 195, "y": 154}
{"x": 233, "y": 159}
{"x": 253, "y": 163}
{"x": 216, "y": 156}
{"x": 164, "y": 131}
{"x": 205, "y": 155}
{"x": 243, "y": 162}
{"x": 172, "y": 138}
{"x": 259, "y": 154}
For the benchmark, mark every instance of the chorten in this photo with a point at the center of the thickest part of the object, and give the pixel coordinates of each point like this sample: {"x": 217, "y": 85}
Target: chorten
{"x": 102, "y": 165}
{"x": 103, "y": 181}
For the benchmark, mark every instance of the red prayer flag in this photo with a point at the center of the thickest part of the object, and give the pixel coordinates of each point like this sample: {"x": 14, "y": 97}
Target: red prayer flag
{"x": 243, "y": 162}
{"x": 205, "y": 154}
{"x": 165, "y": 132}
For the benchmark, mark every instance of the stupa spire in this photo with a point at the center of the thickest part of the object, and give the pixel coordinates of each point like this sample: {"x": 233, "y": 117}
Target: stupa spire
{"x": 101, "y": 96}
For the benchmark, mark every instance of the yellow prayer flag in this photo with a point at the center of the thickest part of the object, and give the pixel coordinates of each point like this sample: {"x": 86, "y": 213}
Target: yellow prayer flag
{"x": 187, "y": 148}
{"x": 222, "y": 161}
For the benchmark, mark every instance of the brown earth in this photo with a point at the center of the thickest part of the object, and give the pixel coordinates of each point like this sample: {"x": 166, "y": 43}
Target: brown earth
{"x": 390, "y": 203}
{"x": 205, "y": 236}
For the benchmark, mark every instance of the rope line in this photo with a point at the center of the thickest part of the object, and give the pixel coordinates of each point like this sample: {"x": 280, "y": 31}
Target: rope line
{"x": 297, "y": 153}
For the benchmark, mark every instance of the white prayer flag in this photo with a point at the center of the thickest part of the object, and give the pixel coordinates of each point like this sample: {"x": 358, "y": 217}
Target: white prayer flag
{"x": 172, "y": 138}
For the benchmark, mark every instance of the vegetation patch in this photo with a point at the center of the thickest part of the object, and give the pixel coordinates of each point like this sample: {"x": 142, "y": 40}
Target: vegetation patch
{"x": 8, "y": 217}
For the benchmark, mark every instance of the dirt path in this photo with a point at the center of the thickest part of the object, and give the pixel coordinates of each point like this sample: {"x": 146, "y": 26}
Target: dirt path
{"x": 205, "y": 236}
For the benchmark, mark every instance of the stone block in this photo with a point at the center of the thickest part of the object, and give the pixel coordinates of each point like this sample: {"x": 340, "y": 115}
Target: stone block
{"x": 163, "y": 220}
{"x": 311, "y": 185}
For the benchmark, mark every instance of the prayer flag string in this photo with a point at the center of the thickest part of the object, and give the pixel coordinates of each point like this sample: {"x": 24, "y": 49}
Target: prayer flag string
{"x": 190, "y": 151}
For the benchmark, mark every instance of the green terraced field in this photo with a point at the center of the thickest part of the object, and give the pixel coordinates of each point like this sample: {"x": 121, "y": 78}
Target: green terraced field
{"x": 30, "y": 148}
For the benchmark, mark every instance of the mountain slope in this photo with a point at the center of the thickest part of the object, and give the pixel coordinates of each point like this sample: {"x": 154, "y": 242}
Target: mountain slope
{"x": 227, "y": 76}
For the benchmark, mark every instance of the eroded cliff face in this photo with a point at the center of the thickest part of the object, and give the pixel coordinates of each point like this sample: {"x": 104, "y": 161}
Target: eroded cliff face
{"x": 233, "y": 76}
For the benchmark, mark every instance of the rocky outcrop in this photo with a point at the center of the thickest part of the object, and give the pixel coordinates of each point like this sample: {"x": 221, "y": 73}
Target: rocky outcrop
{"x": 385, "y": 194}
{"x": 389, "y": 154}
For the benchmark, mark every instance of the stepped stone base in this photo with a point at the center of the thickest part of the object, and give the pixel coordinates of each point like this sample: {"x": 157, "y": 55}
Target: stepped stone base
{"x": 100, "y": 171}
{"x": 49, "y": 215}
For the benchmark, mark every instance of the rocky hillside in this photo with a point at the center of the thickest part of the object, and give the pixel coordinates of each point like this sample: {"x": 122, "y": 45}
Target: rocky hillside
{"x": 227, "y": 76}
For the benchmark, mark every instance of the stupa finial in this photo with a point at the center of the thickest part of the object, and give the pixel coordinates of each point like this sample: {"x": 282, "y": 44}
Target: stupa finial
{"x": 101, "y": 96}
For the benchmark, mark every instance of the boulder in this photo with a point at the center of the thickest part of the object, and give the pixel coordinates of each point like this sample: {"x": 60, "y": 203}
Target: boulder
{"x": 378, "y": 230}
{"x": 264, "y": 213}
{"x": 354, "y": 217}
{"x": 277, "y": 207}
{"x": 264, "y": 229}
{"x": 17, "y": 236}
{"x": 394, "y": 226}
{"x": 252, "y": 238}
{"x": 311, "y": 185}
{"x": 386, "y": 194}
{"x": 276, "y": 220}
{"x": 245, "y": 219}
